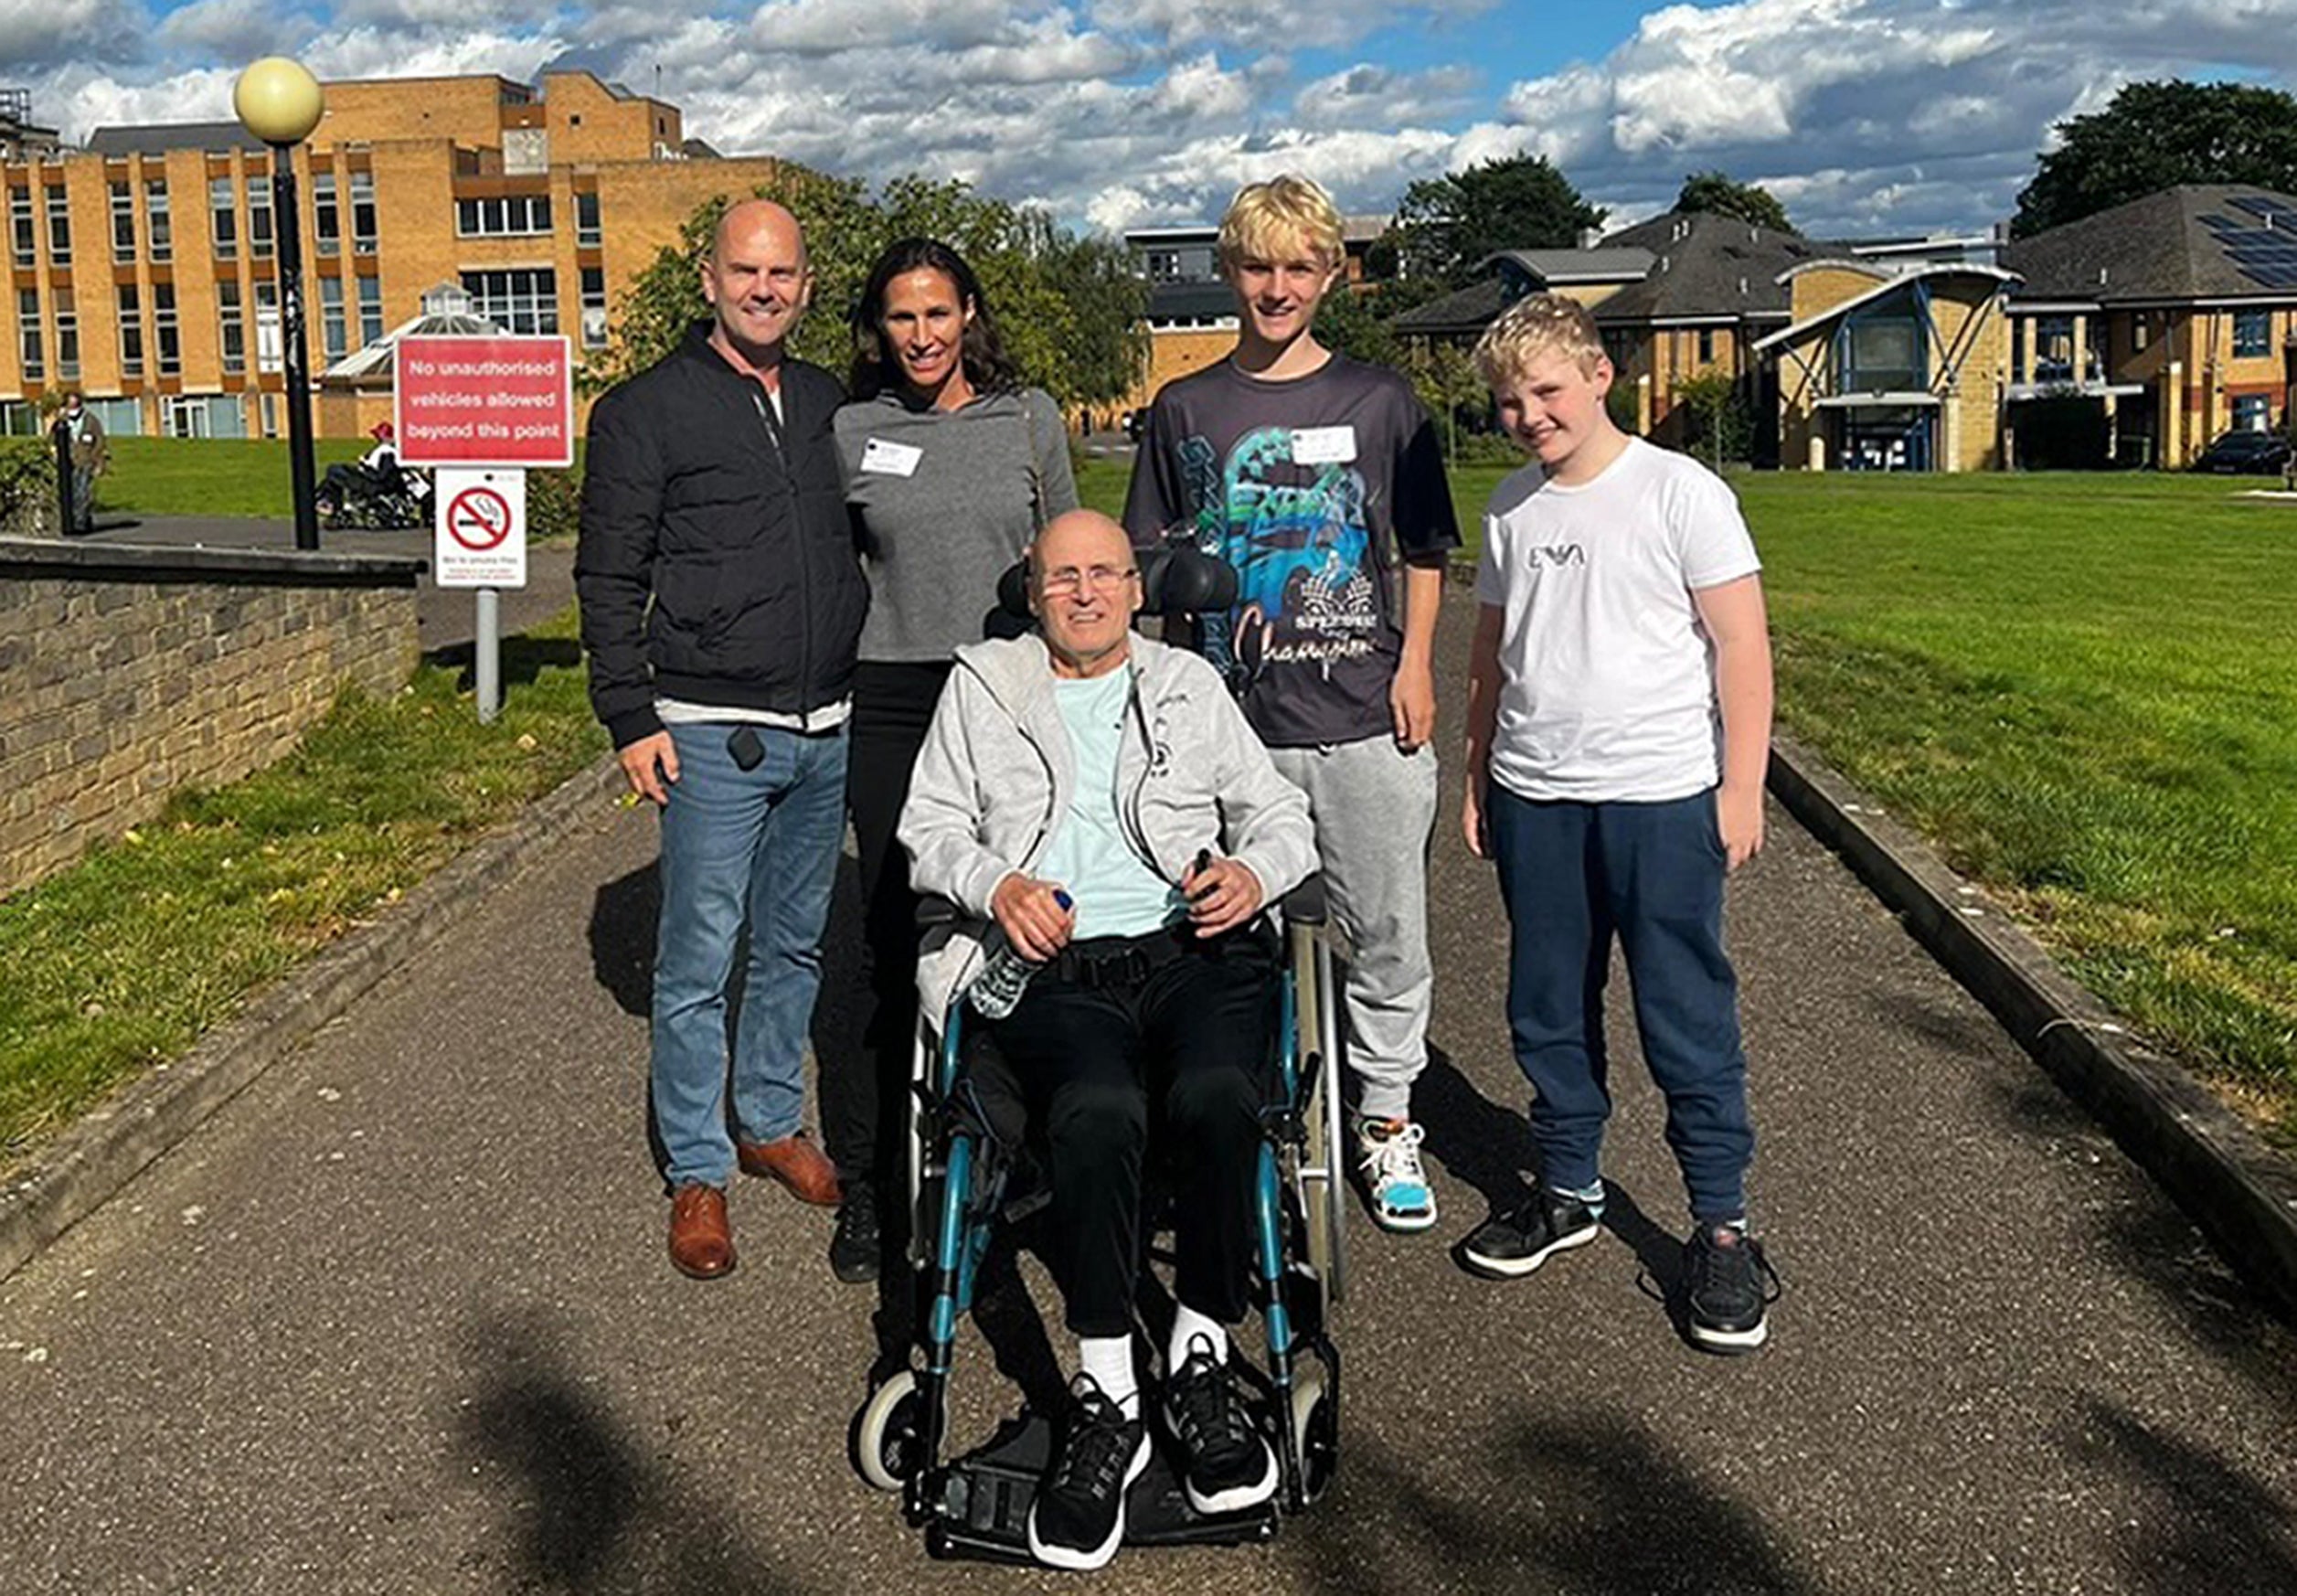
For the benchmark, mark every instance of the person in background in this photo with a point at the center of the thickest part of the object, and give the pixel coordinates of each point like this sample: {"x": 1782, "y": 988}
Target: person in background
{"x": 950, "y": 466}
{"x": 91, "y": 456}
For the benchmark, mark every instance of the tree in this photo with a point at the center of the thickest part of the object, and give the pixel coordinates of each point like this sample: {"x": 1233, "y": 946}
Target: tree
{"x": 1721, "y": 427}
{"x": 2152, "y": 136}
{"x": 1448, "y": 225}
{"x": 1446, "y": 382}
{"x": 1068, "y": 308}
{"x": 1749, "y": 202}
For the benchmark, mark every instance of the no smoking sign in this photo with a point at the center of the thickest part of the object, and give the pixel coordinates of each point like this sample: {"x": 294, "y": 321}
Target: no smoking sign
{"x": 480, "y": 541}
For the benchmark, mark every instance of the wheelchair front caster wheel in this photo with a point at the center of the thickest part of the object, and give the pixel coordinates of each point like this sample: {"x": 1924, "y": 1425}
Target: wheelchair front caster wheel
{"x": 889, "y": 1435}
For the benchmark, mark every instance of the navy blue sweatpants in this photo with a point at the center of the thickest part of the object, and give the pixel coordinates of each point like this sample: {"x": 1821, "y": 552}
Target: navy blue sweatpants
{"x": 1573, "y": 875}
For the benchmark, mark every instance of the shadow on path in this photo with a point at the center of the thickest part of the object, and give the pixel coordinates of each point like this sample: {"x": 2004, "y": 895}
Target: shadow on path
{"x": 2207, "y": 1525}
{"x": 581, "y": 1508}
{"x": 1590, "y": 1504}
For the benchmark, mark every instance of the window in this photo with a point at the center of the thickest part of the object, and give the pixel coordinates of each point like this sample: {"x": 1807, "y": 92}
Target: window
{"x": 123, "y": 224}
{"x": 60, "y": 227}
{"x": 516, "y": 215}
{"x": 593, "y": 308}
{"x": 333, "y": 338}
{"x": 523, "y": 300}
{"x": 66, "y": 341}
{"x": 27, "y": 312}
{"x": 1883, "y": 355}
{"x": 156, "y": 222}
{"x": 326, "y": 221}
{"x": 2141, "y": 332}
{"x": 2053, "y": 349}
{"x": 370, "y": 291}
{"x": 20, "y": 225}
{"x": 2252, "y": 334}
{"x": 130, "y": 332}
{"x": 225, "y": 219}
{"x": 2252, "y": 412}
{"x": 268, "y": 346}
{"x": 1163, "y": 265}
{"x": 171, "y": 346}
{"x": 587, "y": 231}
{"x": 363, "y": 212}
{"x": 231, "y": 330}
{"x": 259, "y": 219}
{"x": 1706, "y": 346}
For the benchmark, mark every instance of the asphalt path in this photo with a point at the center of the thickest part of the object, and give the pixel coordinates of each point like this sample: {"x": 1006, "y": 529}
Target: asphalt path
{"x": 397, "y": 1319}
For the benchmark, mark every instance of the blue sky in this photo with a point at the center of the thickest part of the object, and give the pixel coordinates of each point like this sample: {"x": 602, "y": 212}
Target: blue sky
{"x": 1863, "y": 115}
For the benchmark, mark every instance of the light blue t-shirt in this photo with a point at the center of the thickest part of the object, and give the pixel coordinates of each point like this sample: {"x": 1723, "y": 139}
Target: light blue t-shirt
{"x": 1116, "y": 895}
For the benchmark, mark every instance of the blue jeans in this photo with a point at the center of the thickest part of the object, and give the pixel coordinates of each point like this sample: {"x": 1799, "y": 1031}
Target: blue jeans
{"x": 761, "y": 847}
{"x": 1573, "y": 876}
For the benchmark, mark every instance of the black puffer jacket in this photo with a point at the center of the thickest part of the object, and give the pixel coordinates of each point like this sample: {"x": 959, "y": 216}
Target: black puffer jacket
{"x": 716, "y": 564}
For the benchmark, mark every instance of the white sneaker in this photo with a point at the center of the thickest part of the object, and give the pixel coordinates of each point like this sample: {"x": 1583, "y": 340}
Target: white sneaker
{"x": 1388, "y": 1153}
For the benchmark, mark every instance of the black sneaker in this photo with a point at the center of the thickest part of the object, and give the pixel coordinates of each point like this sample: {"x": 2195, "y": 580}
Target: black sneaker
{"x": 853, "y": 1246}
{"x": 1518, "y": 1243}
{"x": 1077, "y": 1517}
{"x": 1225, "y": 1465}
{"x": 1727, "y": 1285}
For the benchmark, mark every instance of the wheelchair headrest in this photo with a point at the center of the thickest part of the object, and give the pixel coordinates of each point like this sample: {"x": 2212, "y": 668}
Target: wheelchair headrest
{"x": 1174, "y": 580}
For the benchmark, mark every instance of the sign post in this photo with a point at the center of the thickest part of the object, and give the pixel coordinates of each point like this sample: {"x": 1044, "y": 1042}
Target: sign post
{"x": 481, "y": 410}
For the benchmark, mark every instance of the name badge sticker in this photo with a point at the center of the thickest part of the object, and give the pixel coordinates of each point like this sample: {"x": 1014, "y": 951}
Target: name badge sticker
{"x": 1323, "y": 445}
{"x": 880, "y": 457}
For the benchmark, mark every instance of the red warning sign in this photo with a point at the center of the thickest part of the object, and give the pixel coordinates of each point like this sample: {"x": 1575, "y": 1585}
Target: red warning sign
{"x": 479, "y": 518}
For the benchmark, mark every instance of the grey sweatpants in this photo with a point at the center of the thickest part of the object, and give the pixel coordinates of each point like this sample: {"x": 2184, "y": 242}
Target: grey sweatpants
{"x": 1375, "y": 809}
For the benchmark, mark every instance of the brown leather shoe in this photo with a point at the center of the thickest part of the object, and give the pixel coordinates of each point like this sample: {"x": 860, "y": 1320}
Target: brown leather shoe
{"x": 796, "y": 1162}
{"x": 701, "y": 1241}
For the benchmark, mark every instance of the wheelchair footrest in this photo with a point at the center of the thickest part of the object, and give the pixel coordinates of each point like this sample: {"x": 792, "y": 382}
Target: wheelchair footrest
{"x": 983, "y": 1507}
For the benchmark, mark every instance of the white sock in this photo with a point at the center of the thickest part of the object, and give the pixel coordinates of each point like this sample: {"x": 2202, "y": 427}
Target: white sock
{"x": 1187, "y": 1325}
{"x": 1109, "y": 1359}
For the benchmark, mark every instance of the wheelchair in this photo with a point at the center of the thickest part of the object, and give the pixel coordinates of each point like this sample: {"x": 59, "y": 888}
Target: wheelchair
{"x": 966, "y": 1146}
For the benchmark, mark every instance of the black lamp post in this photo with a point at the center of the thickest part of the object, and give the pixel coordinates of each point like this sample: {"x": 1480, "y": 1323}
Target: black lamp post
{"x": 279, "y": 102}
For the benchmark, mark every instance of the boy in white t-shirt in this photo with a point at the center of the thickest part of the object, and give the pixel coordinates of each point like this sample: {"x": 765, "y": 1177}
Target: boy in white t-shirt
{"x": 1619, "y": 724}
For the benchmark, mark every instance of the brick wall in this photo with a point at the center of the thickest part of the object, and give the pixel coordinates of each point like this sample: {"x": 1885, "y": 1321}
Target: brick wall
{"x": 129, "y": 671}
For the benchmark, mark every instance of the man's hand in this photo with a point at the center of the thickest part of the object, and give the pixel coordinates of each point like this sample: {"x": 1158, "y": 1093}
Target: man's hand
{"x": 1411, "y": 702}
{"x": 1739, "y": 816}
{"x": 1222, "y": 894}
{"x": 1031, "y": 917}
{"x": 650, "y": 765}
{"x": 1475, "y": 825}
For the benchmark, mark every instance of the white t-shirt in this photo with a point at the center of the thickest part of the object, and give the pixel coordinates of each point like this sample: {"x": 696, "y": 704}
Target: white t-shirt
{"x": 1607, "y": 679}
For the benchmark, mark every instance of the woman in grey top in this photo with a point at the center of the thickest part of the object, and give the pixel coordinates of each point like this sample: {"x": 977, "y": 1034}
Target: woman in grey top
{"x": 950, "y": 466}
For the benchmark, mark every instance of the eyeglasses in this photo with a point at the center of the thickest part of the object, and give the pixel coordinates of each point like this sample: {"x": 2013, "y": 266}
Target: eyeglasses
{"x": 1068, "y": 578}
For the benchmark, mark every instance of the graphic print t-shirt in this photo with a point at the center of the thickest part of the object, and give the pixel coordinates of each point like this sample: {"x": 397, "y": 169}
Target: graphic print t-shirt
{"x": 1313, "y": 489}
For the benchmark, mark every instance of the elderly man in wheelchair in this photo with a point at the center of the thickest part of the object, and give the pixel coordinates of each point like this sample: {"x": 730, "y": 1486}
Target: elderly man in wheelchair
{"x": 1094, "y": 801}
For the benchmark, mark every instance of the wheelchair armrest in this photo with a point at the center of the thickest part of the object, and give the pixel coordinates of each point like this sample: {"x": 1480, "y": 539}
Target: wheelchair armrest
{"x": 936, "y": 912}
{"x": 1305, "y": 904}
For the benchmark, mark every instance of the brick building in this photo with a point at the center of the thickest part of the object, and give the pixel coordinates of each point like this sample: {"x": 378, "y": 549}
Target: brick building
{"x": 143, "y": 269}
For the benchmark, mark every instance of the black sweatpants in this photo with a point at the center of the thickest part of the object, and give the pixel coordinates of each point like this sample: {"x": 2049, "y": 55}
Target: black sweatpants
{"x": 1195, "y": 1031}
{"x": 862, "y": 1105}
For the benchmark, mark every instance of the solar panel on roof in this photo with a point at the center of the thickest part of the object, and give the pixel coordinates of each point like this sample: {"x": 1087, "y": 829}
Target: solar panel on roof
{"x": 2223, "y": 224}
{"x": 2276, "y": 276}
{"x": 2255, "y": 204}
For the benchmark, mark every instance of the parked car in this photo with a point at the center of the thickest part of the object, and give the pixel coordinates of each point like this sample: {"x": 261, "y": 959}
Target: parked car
{"x": 2246, "y": 453}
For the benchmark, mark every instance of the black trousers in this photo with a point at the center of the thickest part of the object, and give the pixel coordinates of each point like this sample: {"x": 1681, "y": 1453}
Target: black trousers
{"x": 862, "y": 1105}
{"x": 1194, "y": 1030}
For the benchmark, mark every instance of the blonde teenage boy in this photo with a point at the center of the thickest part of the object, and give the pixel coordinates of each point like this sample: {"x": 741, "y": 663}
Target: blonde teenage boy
{"x": 1618, "y": 723}
{"x": 1315, "y": 475}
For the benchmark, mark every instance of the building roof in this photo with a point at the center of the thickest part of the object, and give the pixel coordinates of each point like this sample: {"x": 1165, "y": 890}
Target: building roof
{"x": 1706, "y": 265}
{"x": 1597, "y": 265}
{"x": 159, "y": 137}
{"x": 2198, "y": 241}
{"x": 1887, "y": 280}
{"x": 1464, "y": 310}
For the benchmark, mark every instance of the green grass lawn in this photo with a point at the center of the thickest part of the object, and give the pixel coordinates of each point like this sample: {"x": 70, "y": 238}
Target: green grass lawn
{"x": 125, "y": 959}
{"x": 2083, "y": 690}
{"x": 210, "y": 477}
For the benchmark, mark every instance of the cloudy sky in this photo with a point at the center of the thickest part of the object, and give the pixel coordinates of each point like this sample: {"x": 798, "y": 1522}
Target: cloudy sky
{"x": 1863, "y": 115}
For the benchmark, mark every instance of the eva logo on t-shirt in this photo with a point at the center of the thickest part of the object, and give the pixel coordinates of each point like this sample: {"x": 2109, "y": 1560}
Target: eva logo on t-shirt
{"x": 1558, "y": 553}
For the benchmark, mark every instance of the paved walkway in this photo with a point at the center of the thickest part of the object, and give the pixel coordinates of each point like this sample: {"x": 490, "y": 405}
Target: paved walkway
{"x": 398, "y": 1320}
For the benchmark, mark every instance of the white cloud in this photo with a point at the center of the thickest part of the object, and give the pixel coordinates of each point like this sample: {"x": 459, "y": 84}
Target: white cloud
{"x": 1898, "y": 114}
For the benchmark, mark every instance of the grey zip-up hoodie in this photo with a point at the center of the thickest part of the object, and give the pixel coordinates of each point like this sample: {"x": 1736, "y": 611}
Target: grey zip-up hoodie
{"x": 995, "y": 778}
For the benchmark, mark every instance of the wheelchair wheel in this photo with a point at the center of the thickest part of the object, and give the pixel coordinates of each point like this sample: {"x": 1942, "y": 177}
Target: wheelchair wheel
{"x": 1323, "y": 1183}
{"x": 888, "y": 1442}
{"x": 1316, "y": 1421}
